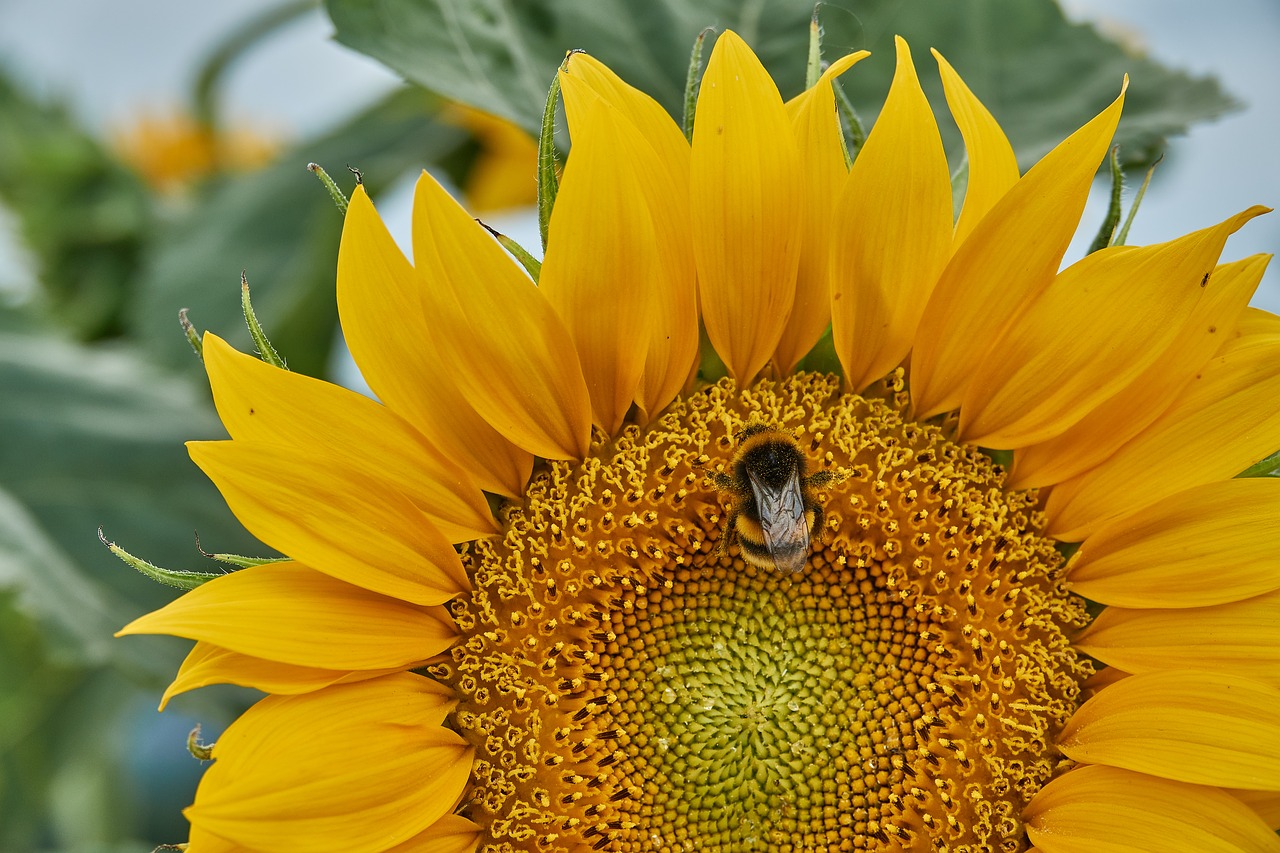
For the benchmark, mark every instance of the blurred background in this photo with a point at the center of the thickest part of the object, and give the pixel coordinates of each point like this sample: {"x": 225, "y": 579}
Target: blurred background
{"x": 150, "y": 151}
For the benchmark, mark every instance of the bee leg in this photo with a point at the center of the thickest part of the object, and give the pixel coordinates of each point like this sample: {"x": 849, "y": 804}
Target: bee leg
{"x": 819, "y": 515}
{"x": 729, "y": 536}
{"x": 722, "y": 481}
{"x": 822, "y": 479}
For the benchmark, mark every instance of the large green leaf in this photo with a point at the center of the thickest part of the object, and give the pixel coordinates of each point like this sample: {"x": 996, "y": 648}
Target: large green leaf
{"x": 92, "y": 435}
{"x": 86, "y": 765}
{"x": 279, "y": 226}
{"x": 1039, "y": 74}
{"x": 34, "y": 685}
{"x": 77, "y": 613}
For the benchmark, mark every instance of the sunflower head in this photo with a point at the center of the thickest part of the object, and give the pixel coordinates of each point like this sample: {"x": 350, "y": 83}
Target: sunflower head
{"x": 667, "y": 639}
{"x": 173, "y": 151}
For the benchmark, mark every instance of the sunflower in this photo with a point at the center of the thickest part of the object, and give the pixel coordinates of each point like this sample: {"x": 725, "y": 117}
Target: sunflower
{"x": 173, "y": 150}
{"x": 593, "y": 665}
{"x": 501, "y": 178}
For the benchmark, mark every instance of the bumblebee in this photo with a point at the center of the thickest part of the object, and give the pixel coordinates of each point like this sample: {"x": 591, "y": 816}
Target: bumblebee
{"x": 773, "y": 515}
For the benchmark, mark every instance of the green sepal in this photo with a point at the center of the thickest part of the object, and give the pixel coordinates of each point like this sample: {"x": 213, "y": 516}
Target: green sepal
{"x": 532, "y": 265}
{"x": 192, "y": 336}
{"x": 237, "y": 560}
{"x": 169, "y": 577}
{"x": 813, "y": 68}
{"x": 1137, "y": 202}
{"x": 548, "y": 179}
{"x": 692, "y": 76}
{"x": 1107, "y": 231}
{"x": 245, "y": 562}
{"x": 1269, "y": 467}
{"x": 265, "y": 350}
{"x": 335, "y": 192}
{"x": 854, "y": 133}
{"x": 198, "y": 748}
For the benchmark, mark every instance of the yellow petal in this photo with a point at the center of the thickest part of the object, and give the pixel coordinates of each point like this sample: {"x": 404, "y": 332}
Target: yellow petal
{"x": 289, "y": 613}
{"x": 817, "y": 130}
{"x": 649, "y": 117}
{"x": 661, "y": 165}
{"x": 499, "y": 178}
{"x": 1011, "y": 256}
{"x": 1094, "y": 330}
{"x": 208, "y": 664}
{"x": 1223, "y": 422}
{"x": 603, "y": 262}
{"x": 894, "y": 238}
{"x": 1201, "y": 727}
{"x": 1255, "y": 321}
{"x": 330, "y": 517}
{"x": 993, "y": 168}
{"x": 357, "y": 767}
{"x": 1210, "y": 545}
{"x": 204, "y": 841}
{"x": 258, "y": 402}
{"x": 1118, "y": 419}
{"x": 1103, "y": 677}
{"x": 1096, "y": 809}
{"x": 1240, "y": 638}
{"x": 380, "y": 302}
{"x": 747, "y": 205}
{"x": 450, "y": 834}
{"x": 496, "y": 333}
{"x": 1265, "y": 803}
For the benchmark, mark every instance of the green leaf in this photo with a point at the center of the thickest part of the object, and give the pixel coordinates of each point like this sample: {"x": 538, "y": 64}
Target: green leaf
{"x": 77, "y": 613}
{"x": 82, "y": 214}
{"x": 1040, "y": 75}
{"x": 36, "y": 688}
{"x": 279, "y": 226}
{"x": 86, "y": 765}
{"x": 93, "y": 437}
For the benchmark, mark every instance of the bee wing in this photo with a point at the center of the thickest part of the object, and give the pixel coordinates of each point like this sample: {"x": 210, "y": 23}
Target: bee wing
{"x": 782, "y": 519}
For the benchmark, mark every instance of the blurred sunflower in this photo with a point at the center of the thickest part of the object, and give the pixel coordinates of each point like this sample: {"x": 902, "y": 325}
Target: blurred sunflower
{"x": 175, "y": 150}
{"x": 502, "y": 176}
{"x": 597, "y": 669}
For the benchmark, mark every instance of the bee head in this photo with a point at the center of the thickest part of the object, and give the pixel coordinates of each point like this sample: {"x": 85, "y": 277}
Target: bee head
{"x": 772, "y": 455}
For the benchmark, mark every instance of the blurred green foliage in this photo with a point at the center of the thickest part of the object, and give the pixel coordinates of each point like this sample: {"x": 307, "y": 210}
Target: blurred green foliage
{"x": 83, "y": 215}
{"x": 98, "y": 388}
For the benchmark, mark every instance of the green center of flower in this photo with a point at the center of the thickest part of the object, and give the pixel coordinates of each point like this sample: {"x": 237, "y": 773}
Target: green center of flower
{"x": 766, "y": 701}
{"x": 631, "y": 685}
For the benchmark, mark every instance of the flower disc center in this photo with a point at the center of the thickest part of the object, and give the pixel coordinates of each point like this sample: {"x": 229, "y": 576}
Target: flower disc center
{"x": 761, "y": 703}
{"x": 632, "y": 685}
